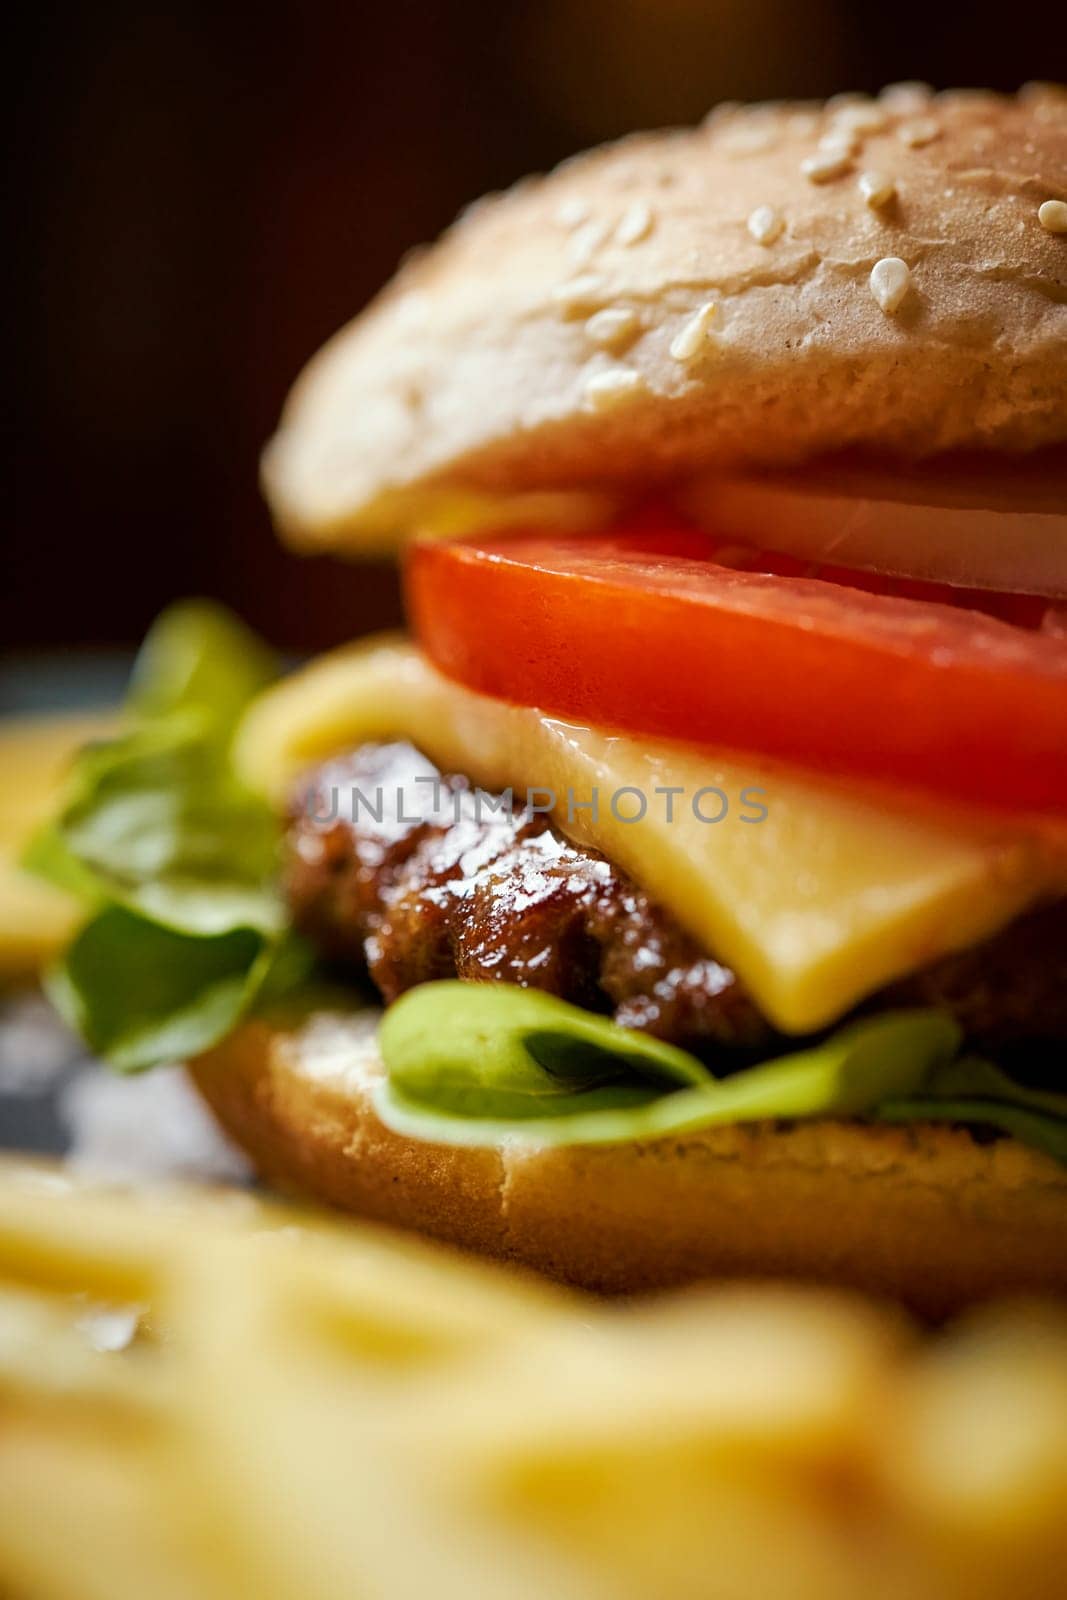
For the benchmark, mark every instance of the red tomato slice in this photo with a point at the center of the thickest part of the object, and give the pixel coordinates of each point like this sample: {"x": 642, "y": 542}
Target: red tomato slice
{"x": 643, "y": 629}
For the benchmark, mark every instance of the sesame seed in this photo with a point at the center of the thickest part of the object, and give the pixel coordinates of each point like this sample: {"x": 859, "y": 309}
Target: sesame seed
{"x": 635, "y": 223}
{"x": 924, "y": 130}
{"x": 890, "y": 282}
{"x": 586, "y": 241}
{"x": 966, "y": 99}
{"x": 860, "y": 119}
{"x": 908, "y": 96}
{"x": 802, "y": 124}
{"x": 1052, "y": 215}
{"x": 412, "y": 307}
{"x": 724, "y": 111}
{"x": 690, "y": 338}
{"x": 579, "y": 294}
{"x": 611, "y": 387}
{"x": 1038, "y": 92}
{"x": 876, "y": 188}
{"x": 826, "y": 164}
{"x": 612, "y": 327}
{"x": 489, "y": 201}
{"x": 750, "y": 139}
{"x": 847, "y": 99}
{"x": 572, "y": 212}
{"x": 765, "y": 224}
{"x": 840, "y": 140}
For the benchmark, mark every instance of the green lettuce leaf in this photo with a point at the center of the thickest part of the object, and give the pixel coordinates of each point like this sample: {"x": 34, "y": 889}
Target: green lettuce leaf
{"x": 975, "y": 1091}
{"x": 174, "y": 858}
{"x": 155, "y": 821}
{"x": 178, "y": 992}
{"x": 475, "y": 1063}
{"x": 198, "y": 657}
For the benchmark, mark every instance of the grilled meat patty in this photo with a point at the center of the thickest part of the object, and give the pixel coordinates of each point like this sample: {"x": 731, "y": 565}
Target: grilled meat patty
{"x": 450, "y": 883}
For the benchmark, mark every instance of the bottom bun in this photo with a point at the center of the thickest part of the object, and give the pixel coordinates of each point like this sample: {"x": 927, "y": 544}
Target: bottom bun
{"x": 924, "y": 1213}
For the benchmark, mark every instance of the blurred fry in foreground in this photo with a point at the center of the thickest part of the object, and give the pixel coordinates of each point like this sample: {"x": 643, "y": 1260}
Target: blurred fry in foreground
{"x": 211, "y": 1396}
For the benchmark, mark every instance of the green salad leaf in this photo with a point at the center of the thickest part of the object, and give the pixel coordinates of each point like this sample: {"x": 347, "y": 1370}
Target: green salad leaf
{"x": 156, "y": 821}
{"x": 179, "y": 992}
{"x": 175, "y": 860}
{"x": 199, "y": 657}
{"x": 477, "y": 1051}
{"x": 975, "y": 1091}
{"x": 474, "y": 1063}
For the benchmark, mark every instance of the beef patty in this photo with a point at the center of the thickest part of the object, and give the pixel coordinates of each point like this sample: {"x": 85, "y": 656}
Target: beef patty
{"x": 450, "y": 883}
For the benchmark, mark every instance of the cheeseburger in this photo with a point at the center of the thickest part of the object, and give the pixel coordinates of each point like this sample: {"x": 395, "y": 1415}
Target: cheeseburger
{"x": 686, "y": 895}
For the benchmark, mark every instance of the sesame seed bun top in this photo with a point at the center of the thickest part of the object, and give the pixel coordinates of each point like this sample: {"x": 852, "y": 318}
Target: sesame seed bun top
{"x": 785, "y": 280}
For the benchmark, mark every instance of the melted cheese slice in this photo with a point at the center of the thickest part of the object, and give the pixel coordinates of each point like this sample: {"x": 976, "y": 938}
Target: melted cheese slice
{"x": 827, "y": 898}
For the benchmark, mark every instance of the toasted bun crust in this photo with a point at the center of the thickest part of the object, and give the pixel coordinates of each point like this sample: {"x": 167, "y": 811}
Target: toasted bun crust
{"x": 478, "y": 369}
{"x": 924, "y": 1214}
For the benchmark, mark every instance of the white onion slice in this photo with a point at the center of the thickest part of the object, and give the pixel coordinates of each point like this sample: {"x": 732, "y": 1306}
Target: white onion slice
{"x": 980, "y": 527}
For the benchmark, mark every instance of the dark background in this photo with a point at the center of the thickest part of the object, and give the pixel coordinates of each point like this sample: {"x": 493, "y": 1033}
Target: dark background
{"x": 200, "y": 195}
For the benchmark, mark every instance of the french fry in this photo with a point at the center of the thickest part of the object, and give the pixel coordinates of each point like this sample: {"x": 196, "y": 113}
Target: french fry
{"x": 315, "y": 1411}
{"x": 95, "y": 1512}
{"x": 68, "y": 1233}
{"x": 329, "y": 1502}
{"x": 63, "y": 1233}
{"x": 724, "y": 1422}
{"x": 47, "y": 1355}
{"x": 778, "y": 1371}
{"x": 976, "y": 1451}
